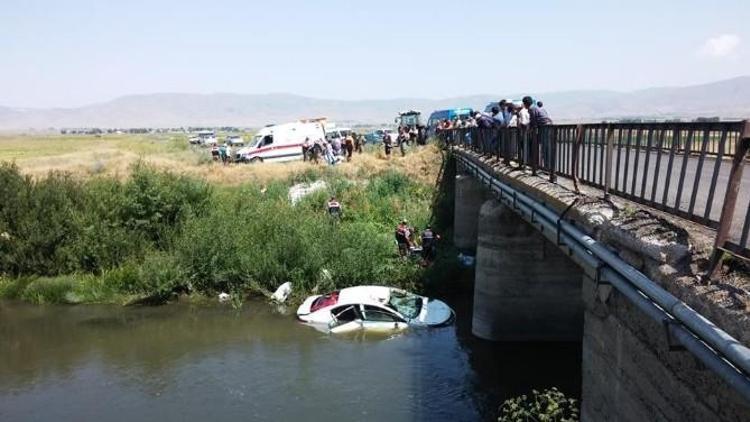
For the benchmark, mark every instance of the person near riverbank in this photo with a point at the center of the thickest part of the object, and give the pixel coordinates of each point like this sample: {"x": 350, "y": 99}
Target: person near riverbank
{"x": 402, "y": 140}
{"x": 349, "y": 146}
{"x": 429, "y": 239}
{"x": 223, "y": 153}
{"x": 402, "y": 239}
{"x": 316, "y": 149}
{"x": 329, "y": 152}
{"x": 413, "y": 132}
{"x": 334, "y": 208}
{"x": 387, "y": 144}
{"x": 228, "y": 153}
{"x": 336, "y": 144}
{"x": 358, "y": 143}
{"x": 305, "y": 149}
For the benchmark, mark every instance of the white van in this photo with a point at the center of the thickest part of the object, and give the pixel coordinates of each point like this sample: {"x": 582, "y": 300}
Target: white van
{"x": 207, "y": 137}
{"x": 338, "y": 133}
{"x": 280, "y": 142}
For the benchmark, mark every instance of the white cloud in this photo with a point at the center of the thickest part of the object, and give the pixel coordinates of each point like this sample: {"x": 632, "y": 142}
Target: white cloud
{"x": 723, "y": 45}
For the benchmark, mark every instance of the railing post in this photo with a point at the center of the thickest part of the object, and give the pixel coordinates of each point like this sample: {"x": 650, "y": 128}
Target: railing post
{"x": 506, "y": 139}
{"x": 608, "y": 161}
{"x": 534, "y": 153}
{"x": 551, "y": 159}
{"x": 576, "y": 155}
{"x": 730, "y": 199}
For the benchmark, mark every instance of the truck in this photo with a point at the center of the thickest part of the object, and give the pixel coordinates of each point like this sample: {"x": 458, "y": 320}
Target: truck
{"x": 409, "y": 118}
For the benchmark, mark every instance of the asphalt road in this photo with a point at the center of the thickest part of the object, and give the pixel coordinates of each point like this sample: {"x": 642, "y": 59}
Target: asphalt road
{"x": 696, "y": 182}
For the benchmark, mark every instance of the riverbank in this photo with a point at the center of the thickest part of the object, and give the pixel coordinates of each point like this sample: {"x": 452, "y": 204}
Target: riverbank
{"x": 156, "y": 234}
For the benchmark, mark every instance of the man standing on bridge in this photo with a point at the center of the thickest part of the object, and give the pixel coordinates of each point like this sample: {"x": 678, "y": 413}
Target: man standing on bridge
{"x": 538, "y": 119}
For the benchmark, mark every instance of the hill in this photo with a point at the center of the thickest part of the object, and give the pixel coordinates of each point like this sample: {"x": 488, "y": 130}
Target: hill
{"x": 728, "y": 98}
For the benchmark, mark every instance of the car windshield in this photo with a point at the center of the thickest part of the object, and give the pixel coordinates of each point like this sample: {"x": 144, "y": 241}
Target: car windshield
{"x": 406, "y": 304}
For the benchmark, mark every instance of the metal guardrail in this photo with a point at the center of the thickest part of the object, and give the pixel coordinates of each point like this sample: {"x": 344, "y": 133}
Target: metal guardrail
{"x": 720, "y": 352}
{"x": 680, "y": 168}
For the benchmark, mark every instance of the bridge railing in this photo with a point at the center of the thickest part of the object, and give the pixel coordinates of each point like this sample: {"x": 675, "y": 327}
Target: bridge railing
{"x": 692, "y": 170}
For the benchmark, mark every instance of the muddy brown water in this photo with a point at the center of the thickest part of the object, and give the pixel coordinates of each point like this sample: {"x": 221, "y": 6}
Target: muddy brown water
{"x": 186, "y": 362}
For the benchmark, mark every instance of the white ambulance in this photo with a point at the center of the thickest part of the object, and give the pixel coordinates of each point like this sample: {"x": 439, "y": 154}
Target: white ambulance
{"x": 280, "y": 142}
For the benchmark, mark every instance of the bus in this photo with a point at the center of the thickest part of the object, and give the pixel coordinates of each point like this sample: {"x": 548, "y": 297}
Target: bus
{"x": 439, "y": 115}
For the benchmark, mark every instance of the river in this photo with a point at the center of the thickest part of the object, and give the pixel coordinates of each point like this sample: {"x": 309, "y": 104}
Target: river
{"x": 210, "y": 362}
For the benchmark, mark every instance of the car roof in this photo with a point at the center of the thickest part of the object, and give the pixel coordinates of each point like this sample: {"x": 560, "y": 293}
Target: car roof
{"x": 365, "y": 295}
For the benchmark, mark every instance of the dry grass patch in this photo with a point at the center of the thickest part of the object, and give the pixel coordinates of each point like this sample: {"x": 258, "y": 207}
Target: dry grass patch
{"x": 113, "y": 155}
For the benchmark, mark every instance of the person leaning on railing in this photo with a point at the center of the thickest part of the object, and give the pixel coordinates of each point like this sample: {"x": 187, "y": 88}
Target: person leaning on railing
{"x": 485, "y": 122}
{"x": 538, "y": 119}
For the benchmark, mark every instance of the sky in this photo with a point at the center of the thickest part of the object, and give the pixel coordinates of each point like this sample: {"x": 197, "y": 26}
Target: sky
{"x": 68, "y": 53}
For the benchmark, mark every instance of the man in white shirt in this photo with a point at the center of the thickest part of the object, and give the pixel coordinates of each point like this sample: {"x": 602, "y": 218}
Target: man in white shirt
{"x": 524, "y": 118}
{"x": 230, "y": 158}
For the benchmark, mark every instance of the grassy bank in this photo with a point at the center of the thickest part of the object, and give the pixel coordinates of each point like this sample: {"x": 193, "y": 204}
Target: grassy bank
{"x": 155, "y": 233}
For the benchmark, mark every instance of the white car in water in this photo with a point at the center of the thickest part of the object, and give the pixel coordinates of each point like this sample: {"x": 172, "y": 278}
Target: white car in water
{"x": 373, "y": 308}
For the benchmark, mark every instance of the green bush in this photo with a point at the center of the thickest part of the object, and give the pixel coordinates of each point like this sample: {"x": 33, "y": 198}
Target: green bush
{"x": 155, "y": 203}
{"x": 543, "y": 406}
{"x": 157, "y": 233}
{"x": 37, "y": 222}
{"x": 57, "y": 225}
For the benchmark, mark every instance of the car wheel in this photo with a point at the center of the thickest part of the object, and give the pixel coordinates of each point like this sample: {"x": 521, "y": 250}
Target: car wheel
{"x": 256, "y": 160}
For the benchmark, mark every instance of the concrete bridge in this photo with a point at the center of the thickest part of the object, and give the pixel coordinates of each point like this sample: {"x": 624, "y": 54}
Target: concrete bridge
{"x": 553, "y": 264}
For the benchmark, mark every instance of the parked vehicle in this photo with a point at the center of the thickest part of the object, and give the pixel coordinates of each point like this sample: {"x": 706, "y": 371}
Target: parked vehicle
{"x": 439, "y": 115}
{"x": 203, "y": 137}
{"x": 235, "y": 140}
{"x": 280, "y": 142}
{"x": 373, "y": 308}
{"x": 488, "y": 107}
{"x": 376, "y": 136}
{"x": 337, "y": 133}
{"x": 409, "y": 118}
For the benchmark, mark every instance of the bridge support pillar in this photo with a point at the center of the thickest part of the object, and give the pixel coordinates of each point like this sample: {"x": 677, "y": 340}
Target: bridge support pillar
{"x": 525, "y": 289}
{"x": 469, "y": 196}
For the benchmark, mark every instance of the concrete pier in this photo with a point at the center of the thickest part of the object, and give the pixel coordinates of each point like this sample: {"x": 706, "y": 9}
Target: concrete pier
{"x": 525, "y": 289}
{"x": 468, "y": 198}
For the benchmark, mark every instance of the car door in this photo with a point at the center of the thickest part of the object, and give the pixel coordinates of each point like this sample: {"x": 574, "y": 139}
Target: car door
{"x": 265, "y": 148}
{"x": 345, "y": 318}
{"x": 381, "y": 319}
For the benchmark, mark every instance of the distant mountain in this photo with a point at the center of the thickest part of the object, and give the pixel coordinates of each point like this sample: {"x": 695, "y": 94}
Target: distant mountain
{"x": 728, "y": 98}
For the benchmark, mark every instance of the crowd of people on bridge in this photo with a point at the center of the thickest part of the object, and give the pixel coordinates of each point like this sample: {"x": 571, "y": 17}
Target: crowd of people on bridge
{"x": 505, "y": 114}
{"x": 526, "y": 117}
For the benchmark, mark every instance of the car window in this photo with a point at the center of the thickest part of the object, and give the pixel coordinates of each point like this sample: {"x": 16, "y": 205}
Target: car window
{"x": 346, "y": 313}
{"x": 407, "y": 304}
{"x": 373, "y": 313}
